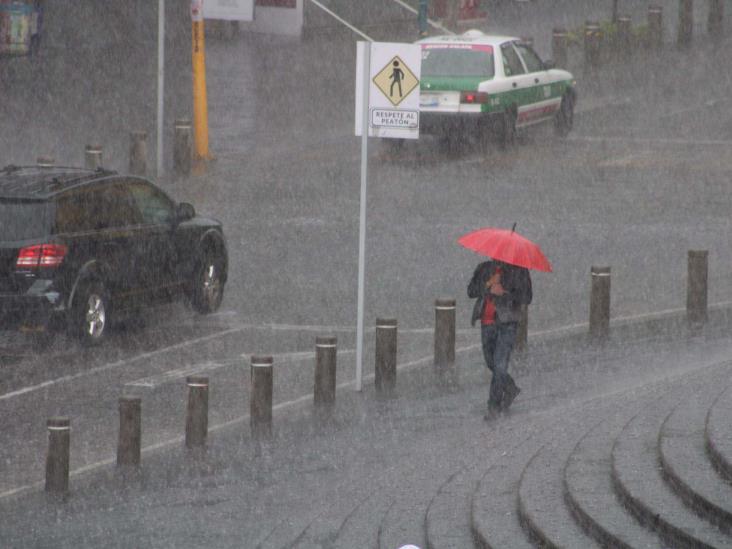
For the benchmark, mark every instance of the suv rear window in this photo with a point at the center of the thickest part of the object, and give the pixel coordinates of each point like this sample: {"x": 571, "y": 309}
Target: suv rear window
{"x": 457, "y": 60}
{"x": 22, "y": 219}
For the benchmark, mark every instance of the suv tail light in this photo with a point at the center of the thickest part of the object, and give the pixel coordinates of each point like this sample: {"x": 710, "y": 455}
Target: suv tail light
{"x": 41, "y": 256}
{"x": 473, "y": 97}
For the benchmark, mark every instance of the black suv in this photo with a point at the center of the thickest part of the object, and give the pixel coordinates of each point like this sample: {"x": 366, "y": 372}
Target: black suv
{"x": 79, "y": 247}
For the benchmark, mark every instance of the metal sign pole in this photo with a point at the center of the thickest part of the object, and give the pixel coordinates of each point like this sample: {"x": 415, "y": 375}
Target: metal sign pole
{"x": 161, "y": 82}
{"x": 362, "y": 221}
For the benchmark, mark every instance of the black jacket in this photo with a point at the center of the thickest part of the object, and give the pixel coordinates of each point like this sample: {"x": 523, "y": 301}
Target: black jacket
{"x": 516, "y": 282}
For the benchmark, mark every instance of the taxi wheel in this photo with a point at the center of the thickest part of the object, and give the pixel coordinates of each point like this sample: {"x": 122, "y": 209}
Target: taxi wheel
{"x": 565, "y": 116}
{"x": 507, "y": 129}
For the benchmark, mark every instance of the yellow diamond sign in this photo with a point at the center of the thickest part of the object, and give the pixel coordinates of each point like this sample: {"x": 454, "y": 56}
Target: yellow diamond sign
{"x": 395, "y": 81}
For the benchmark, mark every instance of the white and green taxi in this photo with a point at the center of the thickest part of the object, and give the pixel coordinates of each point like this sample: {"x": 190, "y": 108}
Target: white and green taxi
{"x": 491, "y": 85}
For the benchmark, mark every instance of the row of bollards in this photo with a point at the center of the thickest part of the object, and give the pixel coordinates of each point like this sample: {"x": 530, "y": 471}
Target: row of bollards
{"x": 182, "y": 150}
{"x": 138, "y": 153}
{"x": 324, "y": 391}
{"x": 129, "y": 444}
{"x": 696, "y": 294}
{"x": 623, "y": 41}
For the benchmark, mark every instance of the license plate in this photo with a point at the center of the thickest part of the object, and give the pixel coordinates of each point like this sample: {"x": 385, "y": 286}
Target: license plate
{"x": 429, "y": 100}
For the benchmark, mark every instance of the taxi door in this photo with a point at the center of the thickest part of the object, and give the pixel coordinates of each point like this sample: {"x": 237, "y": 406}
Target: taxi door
{"x": 543, "y": 95}
{"x": 518, "y": 83}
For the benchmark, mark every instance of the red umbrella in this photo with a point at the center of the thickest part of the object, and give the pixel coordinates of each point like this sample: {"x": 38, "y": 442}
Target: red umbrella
{"x": 507, "y": 246}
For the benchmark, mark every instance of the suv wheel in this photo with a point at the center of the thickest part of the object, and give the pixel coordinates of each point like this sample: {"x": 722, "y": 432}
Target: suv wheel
{"x": 565, "y": 116}
{"x": 208, "y": 284}
{"x": 90, "y": 313}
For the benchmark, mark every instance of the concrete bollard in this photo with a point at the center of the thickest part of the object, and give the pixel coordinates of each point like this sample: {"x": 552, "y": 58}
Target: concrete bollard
{"x": 560, "y": 38}
{"x": 57, "y": 458}
{"x": 624, "y": 38}
{"x": 593, "y": 44}
{"x": 600, "y": 302}
{"x": 444, "y": 363}
{"x": 130, "y": 431}
{"x": 93, "y": 157}
{"x": 260, "y": 402}
{"x": 655, "y": 27}
{"x": 696, "y": 290}
{"x": 715, "y": 21}
{"x": 45, "y": 162}
{"x": 522, "y": 335}
{"x": 452, "y": 14}
{"x": 324, "y": 392}
{"x": 197, "y": 411}
{"x": 686, "y": 22}
{"x": 138, "y": 153}
{"x": 182, "y": 147}
{"x": 386, "y": 351}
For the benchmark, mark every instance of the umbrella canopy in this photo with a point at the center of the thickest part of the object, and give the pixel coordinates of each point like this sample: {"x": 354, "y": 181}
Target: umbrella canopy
{"x": 507, "y": 246}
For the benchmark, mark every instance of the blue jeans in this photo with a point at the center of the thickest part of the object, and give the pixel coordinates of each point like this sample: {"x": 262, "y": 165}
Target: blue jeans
{"x": 498, "y": 340}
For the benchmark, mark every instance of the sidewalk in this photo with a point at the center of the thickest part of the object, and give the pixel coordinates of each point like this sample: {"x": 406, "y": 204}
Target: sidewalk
{"x": 380, "y": 470}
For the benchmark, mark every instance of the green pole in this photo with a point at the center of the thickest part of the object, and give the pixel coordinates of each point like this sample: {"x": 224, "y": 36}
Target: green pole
{"x": 422, "y": 17}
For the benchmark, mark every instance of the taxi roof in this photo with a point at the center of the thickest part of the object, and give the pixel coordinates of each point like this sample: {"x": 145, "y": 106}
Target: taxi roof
{"x": 469, "y": 37}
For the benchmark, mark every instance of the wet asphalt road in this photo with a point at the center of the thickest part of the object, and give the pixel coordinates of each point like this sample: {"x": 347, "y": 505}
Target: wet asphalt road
{"x": 643, "y": 178}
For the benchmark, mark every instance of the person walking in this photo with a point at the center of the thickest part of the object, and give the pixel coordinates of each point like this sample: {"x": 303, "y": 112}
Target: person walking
{"x": 500, "y": 290}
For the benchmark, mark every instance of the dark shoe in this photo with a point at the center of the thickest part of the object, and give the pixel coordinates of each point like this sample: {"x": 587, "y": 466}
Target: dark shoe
{"x": 512, "y": 391}
{"x": 492, "y": 413}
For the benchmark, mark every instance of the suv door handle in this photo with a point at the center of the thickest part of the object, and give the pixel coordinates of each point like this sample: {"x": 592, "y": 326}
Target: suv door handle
{"x": 515, "y": 85}
{"x": 536, "y": 80}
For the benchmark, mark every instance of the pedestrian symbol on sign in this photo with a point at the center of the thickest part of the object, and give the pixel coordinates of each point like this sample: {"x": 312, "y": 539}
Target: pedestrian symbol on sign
{"x": 396, "y": 81}
{"x": 396, "y": 77}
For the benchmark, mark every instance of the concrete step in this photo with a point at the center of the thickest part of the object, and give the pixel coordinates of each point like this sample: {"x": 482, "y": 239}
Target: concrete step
{"x": 716, "y": 434}
{"x": 686, "y": 465}
{"x": 494, "y": 518}
{"x": 447, "y": 521}
{"x": 589, "y": 491}
{"x": 541, "y": 509}
{"x": 405, "y": 519}
{"x": 541, "y": 501}
{"x": 637, "y": 477}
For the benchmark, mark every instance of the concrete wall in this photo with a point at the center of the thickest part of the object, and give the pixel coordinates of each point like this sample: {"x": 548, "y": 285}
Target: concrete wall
{"x": 94, "y": 81}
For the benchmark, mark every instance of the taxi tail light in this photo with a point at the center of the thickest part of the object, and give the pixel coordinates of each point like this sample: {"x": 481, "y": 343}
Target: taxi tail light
{"x": 41, "y": 256}
{"x": 471, "y": 97}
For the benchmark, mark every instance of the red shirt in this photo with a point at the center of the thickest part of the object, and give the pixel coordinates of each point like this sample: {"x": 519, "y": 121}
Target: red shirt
{"x": 489, "y": 308}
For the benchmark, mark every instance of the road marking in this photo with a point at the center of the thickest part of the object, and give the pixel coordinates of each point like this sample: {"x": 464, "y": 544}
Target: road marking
{"x": 152, "y": 382}
{"x": 700, "y": 106}
{"x": 651, "y": 140}
{"x": 432, "y": 23}
{"x": 342, "y": 21}
{"x": 116, "y": 364}
{"x": 171, "y": 375}
{"x": 240, "y": 328}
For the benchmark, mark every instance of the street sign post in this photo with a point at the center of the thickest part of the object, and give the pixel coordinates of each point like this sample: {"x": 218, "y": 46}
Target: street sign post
{"x": 387, "y": 105}
{"x": 161, "y": 86}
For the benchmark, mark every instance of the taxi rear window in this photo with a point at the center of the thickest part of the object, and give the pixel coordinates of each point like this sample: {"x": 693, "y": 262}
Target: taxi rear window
{"x": 457, "y": 60}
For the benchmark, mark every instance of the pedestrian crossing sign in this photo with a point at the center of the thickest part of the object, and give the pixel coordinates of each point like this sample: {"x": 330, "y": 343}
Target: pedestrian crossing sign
{"x": 387, "y": 89}
{"x": 396, "y": 81}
